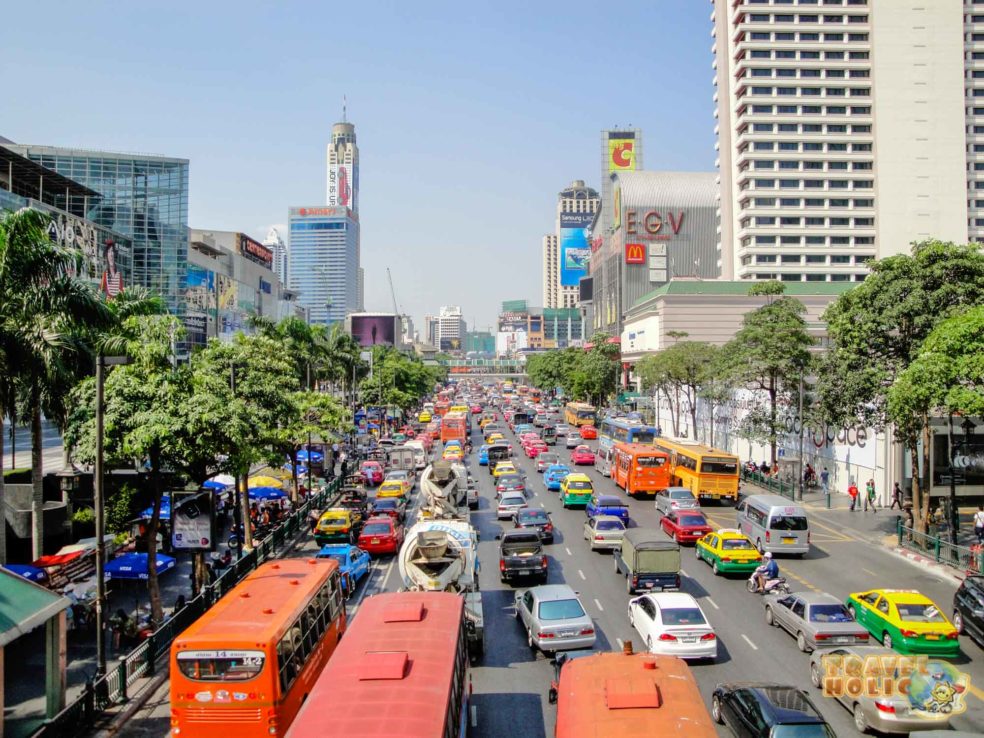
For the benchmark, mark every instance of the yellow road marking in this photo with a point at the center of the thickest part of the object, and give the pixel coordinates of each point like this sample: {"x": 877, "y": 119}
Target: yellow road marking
{"x": 976, "y": 692}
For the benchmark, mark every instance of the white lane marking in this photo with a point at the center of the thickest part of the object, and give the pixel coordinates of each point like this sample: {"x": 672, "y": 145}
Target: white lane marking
{"x": 869, "y": 571}
{"x": 599, "y": 605}
{"x": 474, "y": 716}
{"x": 713, "y": 603}
{"x": 684, "y": 573}
{"x": 582, "y": 575}
{"x": 568, "y": 551}
{"x": 754, "y": 647}
{"x": 620, "y": 642}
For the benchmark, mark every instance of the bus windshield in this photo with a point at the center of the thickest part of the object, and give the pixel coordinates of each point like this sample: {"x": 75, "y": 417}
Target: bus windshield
{"x": 221, "y": 666}
{"x": 643, "y": 436}
{"x": 719, "y": 466}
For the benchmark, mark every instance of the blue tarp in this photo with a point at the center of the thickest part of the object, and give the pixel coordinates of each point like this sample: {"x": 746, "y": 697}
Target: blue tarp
{"x": 316, "y": 456}
{"x": 134, "y": 566}
{"x": 31, "y": 573}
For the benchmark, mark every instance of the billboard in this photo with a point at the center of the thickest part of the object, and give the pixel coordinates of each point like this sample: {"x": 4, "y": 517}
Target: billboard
{"x": 192, "y": 521}
{"x": 344, "y": 185}
{"x": 621, "y": 151}
{"x": 375, "y": 330}
{"x": 585, "y": 289}
{"x": 255, "y": 251}
{"x": 450, "y": 344}
{"x": 575, "y": 253}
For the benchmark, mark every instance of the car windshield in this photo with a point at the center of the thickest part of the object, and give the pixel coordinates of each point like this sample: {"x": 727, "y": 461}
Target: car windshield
{"x": 735, "y": 544}
{"x": 560, "y": 610}
{"x": 806, "y": 730}
{"x": 915, "y": 612}
{"x": 375, "y": 529}
{"x": 683, "y": 616}
{"x": 609, "y": 502}
{"x": 789, "y": 522}
{"x": 609, "y": 525}
{"x": 833, "y": 612}
{"x": 719, "y": 466}
{"x": 692, "y": 520}
{"x": 510, "y": 500}
{"x": 533, "y": 516}
{"x": 680, "y": 494}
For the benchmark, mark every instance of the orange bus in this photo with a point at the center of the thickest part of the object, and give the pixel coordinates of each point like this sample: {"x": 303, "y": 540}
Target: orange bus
{"x": 640, "y": 468}
{"x": 454, "y": 427}
{"x": 402, "y": 669}
{"x": 441, "y": 408}
{"x": 709, "y": 473}
{"x": 613, "y": 695}
{"x": 246, "y": 665}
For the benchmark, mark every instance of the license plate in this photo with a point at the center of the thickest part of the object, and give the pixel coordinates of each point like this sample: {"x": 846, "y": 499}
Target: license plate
{"x": 789, "y": 540}
{"x": 688, "y": 640}
{"x": 524, "y": 571}
{"x": 650, "y": 585}
{"x": 844, "y": 639}
{"x": 374, "y": 540}
{"x": 567, "y": 633}
{"x": 932, "y": 637}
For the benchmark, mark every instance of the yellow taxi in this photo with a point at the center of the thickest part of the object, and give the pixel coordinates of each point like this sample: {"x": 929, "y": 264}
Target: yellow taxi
{"x": 905, "y": 620}
{"x": 494, "y": 438}
{"x": 728, "y": 550}
{"x": 576, "y": 489}
{"x": 453, "y": 453}
{"x": 335, "y": 524}
{"x": 424, "y": 417}
{"x": 504, "y": 467}
{"x": 393, "y": 488}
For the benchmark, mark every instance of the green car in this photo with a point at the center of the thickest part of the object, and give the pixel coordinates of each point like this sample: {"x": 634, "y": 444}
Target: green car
{"x": 905, "y": 620}
{"x": 576, "y": 489}
{"x": 728, "y": 551}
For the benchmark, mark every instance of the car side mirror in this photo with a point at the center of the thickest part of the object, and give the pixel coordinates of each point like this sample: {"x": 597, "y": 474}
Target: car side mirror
{"x": 498, "y": 536}
{"x": 552, "y": 696}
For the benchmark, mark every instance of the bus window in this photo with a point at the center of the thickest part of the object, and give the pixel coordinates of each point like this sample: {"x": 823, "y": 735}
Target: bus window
{"x": 230, "y": 666}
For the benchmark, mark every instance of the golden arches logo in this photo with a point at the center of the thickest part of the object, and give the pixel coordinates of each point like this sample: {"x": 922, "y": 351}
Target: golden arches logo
{"x": 635, "y": 253}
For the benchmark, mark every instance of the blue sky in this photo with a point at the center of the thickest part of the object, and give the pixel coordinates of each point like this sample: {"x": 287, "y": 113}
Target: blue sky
{"x": 470, "y": 116}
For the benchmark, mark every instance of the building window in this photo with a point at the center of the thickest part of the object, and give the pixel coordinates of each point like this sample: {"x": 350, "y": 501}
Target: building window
{"x": 816, "y": 259}
{"x": 787, "y": 128}
{"x": 791, "y": 277}
{"x": 840, "y": 259}
{"x": 815, "y": 221}
{"x": 765, "y": 240}
{"x": 816, "y": 277}
{"x": 765, "y": 258}
{"x": 791, "y": 259}
{"x": 789, "y": 240}
{"x": 840, "y": 277}
{"x": 815, "y": 240}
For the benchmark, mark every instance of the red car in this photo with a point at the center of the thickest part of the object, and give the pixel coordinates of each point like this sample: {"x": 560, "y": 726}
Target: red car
{"x": 476, "y": 409}
{"x": 685, "y": 526}
{"x": 535, "y": 448}
{"x": 582, "y": 455}
{"x": 373, "y": 472}
{"x": 588, "y": 432}
{"x": 381, "y": 535}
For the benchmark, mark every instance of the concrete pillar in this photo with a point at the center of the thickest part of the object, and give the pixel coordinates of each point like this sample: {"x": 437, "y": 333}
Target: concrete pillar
{"x": 55, "y": 652}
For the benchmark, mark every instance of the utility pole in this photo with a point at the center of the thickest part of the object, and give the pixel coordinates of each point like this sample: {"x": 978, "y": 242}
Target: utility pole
{"x": 801, "y": 460}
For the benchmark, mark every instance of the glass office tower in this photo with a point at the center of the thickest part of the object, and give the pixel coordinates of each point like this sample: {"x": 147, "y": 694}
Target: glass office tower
{"x": 324, "y": 261}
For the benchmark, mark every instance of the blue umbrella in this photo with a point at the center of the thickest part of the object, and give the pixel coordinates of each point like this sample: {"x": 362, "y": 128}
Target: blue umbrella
{"x": 134, "y": 566}
{"x": 302, "y": 455}
{"x": 165, "y": 509}
{"x": 31, "y": 573}
{"x": 212, "y": 484}
{"x": 266, "y": 493}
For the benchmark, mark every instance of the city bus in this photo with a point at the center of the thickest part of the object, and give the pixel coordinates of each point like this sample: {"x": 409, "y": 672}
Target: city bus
{"x": 247, "y": 664}
{"x": 402, "y": 669}
{"x": 622, "y": 430}
{"x": 709, "y": 473}
{"x": 611, "y": 695}
{"x": 579, "y": 413}
{"x": 640, "y": 468}
{"x": 458, "y": 409}
{"x": 454, "y": 427}
{"x": 441, "y": 408}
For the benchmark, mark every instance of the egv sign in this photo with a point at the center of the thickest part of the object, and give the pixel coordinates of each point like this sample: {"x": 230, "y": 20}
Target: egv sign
{"x": 651, "y": 223}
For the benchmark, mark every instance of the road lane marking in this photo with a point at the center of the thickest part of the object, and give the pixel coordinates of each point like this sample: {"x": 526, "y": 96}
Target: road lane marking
{"x": 568, "y": 551}
{"x": 599, "y": 605}
{"x": 620, "y": 642}
{"x": 684, "y": 573}
{"x": 582, "y": 575}
{"x": 474, "y": 716}
{"x": 754, "y": 647}
{"x": 713, "y": 603}
{"x": 869, "y": 571}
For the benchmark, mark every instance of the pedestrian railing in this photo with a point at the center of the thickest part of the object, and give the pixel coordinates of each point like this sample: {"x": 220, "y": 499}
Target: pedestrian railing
{"x": 112, "y": 689}
{"x": 773, "y": 484}
{"x": 969, "y": 559}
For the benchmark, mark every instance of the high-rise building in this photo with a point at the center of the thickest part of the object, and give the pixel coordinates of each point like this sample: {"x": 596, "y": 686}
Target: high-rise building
{"x": 430, "y": 330}
{"x": 324, "y": 261}
{"x": 276, "y": 244}
{"x": 343, "y": 167}
{"x": 566, "y": 251}
{"x": 450, "y": 329}
{"x": 846, "y": 131}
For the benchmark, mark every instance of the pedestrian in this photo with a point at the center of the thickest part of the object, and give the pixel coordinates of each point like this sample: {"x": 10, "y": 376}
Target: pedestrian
{"x": 825, "y": 481}
{"x": 909, "y": 523}
{"x": 979, "y": 523}
{"x": 869, "y": 495}
{"x": 896, "y": 497}
{"x": 853, "y": 492}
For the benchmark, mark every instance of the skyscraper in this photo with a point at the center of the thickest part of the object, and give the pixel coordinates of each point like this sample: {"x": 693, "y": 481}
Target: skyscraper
{"x": 343, "y": 167}
{"x": 566, "y": 250}
{"x": 846, "y": 131}
{"x": 551, "y": 271}
{"x": 276, "y": 244}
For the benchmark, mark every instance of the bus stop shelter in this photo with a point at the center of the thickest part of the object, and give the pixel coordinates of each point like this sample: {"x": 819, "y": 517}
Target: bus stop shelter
{"x": 25, "y": 606}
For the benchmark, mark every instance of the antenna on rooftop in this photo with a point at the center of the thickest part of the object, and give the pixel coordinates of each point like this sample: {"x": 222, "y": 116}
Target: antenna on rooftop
{"x": 344, "y": 106}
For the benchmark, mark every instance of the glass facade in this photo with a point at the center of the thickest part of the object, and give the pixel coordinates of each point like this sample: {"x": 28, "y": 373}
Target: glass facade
{"x": 324, "y": 261}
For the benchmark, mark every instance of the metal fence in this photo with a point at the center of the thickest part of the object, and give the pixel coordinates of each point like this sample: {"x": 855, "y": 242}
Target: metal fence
{"x": 969, "y": 559}
{"x": 781, "y": 486}
{"x": 112, "y": 689}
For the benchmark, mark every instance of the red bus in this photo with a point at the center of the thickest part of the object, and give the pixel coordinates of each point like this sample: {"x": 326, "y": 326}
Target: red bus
{"x": 454, "y": 427}
{"x": 441, "y": 408}
{"x": 613, "y": 695}
{"x": 246, "y": 665}
{"x": 402, "y": 669}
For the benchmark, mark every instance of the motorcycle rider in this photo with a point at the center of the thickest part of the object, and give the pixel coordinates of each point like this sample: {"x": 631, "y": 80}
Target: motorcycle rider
{"x": 769, "y": 569}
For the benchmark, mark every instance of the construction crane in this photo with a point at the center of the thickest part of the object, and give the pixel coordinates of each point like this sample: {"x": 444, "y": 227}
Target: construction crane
{"x": 396, "y": 308}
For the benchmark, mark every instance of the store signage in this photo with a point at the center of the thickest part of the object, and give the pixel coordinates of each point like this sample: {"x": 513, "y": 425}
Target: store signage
{"x": 331, "y": 212}
{"x": 650, "y": 223}
{"x": 621, "y": 152}
{"x": 265, "y": 287}
{"x": 635, "y": 253}
{"x": 255, "y": 251}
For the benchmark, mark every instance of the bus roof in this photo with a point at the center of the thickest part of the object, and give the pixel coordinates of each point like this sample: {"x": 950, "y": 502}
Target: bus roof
{"x": 399, "y": 654}
{"x": 261, "y": 607}
{"x": 618, "y": 695}
{"x": 686, "y": 445}
{"x": 637, "y": 449}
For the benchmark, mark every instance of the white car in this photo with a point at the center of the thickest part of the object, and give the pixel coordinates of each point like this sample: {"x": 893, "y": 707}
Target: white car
{"x": 672, "y": 623}
{"x": 509, "y": 504}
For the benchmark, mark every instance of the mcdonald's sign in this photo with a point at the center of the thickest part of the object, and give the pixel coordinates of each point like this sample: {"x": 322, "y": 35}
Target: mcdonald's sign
{"x": 635, "y": 253}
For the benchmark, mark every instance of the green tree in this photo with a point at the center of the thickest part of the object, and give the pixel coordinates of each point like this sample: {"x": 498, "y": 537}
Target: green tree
{"x": 877, "y": 330}
{"x": 680, "y": 371}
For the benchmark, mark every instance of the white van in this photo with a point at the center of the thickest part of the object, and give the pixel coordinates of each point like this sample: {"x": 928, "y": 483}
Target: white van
{"x": 774, "y": 523}
{"x": 419, "y": 453}
{"x": 603, "y": 460}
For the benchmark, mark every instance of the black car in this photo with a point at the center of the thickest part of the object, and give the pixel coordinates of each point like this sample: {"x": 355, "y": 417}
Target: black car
{"x": 535, "y": 517}
{"x": 754, "y": 710}
{"x": 510, "y": 483}
{"x": 392, "y": 506}
{"x": 968, "y": 608}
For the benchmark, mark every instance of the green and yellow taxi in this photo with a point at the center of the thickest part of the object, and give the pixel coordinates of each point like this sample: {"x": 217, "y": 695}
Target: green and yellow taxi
{"x": 424, "y": 417}
{"x": 393, "y": 488}
{"x": 905, "y": 620}
{"x": 335, "y": 524}
{"x": 728, "y": 550}
{"x": 576, "y": 490}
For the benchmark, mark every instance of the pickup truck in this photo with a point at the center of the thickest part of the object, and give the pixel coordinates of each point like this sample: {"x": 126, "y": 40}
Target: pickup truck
{"x": 472, "y": 493}
{"x": 648, "y": 562}
{"x": 521, "y": 555}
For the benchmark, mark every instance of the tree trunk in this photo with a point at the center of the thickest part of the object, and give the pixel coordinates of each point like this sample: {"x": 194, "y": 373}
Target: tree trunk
{"x": 920, "y": 511}
{"x": 153, "y": 583}
{"x": 924, "y": 478}
{"x": 293, "y": 468}
{"x": 773, "y": 411}
{"x": 37, "y": 477}
{"x": 692, "y": 399}
{"x": 3, "y": 495}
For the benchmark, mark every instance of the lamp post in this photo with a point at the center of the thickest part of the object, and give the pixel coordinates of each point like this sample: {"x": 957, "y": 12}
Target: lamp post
{"x": 801, "y": 460}
{"x": 102, "y": 363}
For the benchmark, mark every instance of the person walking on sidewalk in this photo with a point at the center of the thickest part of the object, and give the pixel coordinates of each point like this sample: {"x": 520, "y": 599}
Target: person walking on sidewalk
{"x": 979, "y": 523}
{"x": 896, "y": 497}
{"x": 853, "y": 492}
{"x": 825, "y": 481}
{"x": 869, "y": 495}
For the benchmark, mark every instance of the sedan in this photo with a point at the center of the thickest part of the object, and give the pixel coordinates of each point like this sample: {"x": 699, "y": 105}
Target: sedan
{"x": 510, "y": 483}
{"x": 672, "y": 624}
{"x": 761, "y": 710}
{"x": 582, "y": 455}
{"x": 546, "y": 459}
{"x": 572, "y": 440}
{"x": 562, "y": 430}
{"x": 372, "y": 471}
{"x": 684, "y": 526}
{"x": 381, "y": 535}
{"x": 588, "y": 433}
{"x": 394, "y": 507}
{"x": 675, "y": 498}
{"x": 815, "y": 619}
{"x": 604, "y": 531}
{"x": 353, "y": 563}
{"x": 607, "y": 505}
{"x": 509, "y": 504}
{"x": 537, "y": 518}
{"x": 905, "y": 620}
{"x": 483, "y": 455}
{"x": 554, "y": 619}
{"x": 535, "y": 449}
{"x": 555, "y": 475}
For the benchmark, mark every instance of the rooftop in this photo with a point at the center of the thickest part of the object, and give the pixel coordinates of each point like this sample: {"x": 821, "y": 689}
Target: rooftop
{"x": 741, "y": 287}
{"x": 24, "y": 606}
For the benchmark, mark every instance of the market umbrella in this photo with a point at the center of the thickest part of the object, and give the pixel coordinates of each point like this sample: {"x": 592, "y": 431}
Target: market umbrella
{"x": 266, "y": 493}
{"x": 134, "y": 566}
{"x": 215, "y": 484}
{"x": 265, "y": 482}
{"x": 226, "y": 479}
{"x": 165, "y": 509}
{"x": 302, "y": 455}
{"x": 31, "y": 573}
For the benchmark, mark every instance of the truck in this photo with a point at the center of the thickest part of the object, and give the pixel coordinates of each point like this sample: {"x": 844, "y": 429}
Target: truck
{"x": 445, "y": 488}
{"x": 402, "y": 458}
{"x": 521, "y": 555}
{"x": 648, "y": 562}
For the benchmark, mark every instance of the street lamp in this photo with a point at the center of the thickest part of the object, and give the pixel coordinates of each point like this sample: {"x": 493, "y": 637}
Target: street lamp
{"x": 102, "y": 363}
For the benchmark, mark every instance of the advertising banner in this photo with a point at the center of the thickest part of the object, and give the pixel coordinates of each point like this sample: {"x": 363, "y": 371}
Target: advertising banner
{"x": 621, "y": 151}
{"x": 199, "y": 288}
{"x": 450, "y": 344}
{"x": 375, "y": 330}
{"x": 575, "y": 253}
{"x": 332, "y": 186}
{"x": 344, "y": 184}
{"x": 193, "y": 521}
{"x": 255, "y": 251}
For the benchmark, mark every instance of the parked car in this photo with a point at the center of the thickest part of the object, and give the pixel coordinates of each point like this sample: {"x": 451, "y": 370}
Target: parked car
{"x": 647, "y": 561}
{"x": 381, "y": 535}
{"x": 673, "y": 624}
{"x": 968, "y": 608}
{"x": 582, "y": 455}
{"x": 554, "y": 618}
{"x": 754, "y": 710}
{"x": 685, "y": 526}
{"x": 535, "y": 518}
{"x": 353, "y": 563}
{"x": 509, "y": 503}
{"x": 546, "y": 459}
{"x": 675, "y": 498}
{"x": 521, "y": 555}
{"x": 588, "y": 433}
{"x": 607, "y": 505}
{"x": 905, "y": 620}
{"x": 553, "y": 477}
{"x": 604, "y": 531}
{"x": 815, "y": 619}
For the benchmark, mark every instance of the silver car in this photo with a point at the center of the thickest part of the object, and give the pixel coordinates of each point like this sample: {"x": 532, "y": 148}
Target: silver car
{"x": 562, "y": 430}
{"x": 554, "y": 618}
{"x": 815, "y": 619}
{"x": 887, "y": 714}
{"x": 545, "y": 459}
{"x": 672, "y": 499}
{"x": 509, "y": 504}
{"x": 573, "y": 440}
{"x": 604, "y": 531}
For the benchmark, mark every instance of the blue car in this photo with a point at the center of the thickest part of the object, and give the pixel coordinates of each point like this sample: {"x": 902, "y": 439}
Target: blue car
{"x": 483, "y": 455}
{"x": 607, "y": 505}
{"x": 554, "y": 475}
{"x": 353, "y": 562}
{"x": 523, "y": 428}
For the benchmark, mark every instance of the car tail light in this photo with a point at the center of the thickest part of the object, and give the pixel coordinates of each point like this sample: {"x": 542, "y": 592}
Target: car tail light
{"x": 599, "y": 538}
{"x": 546, "y": 635}
{"x": 725, "y": 559}
{"x": 667, "y": 637}
{"x": 952, "y": 635}
{"x": 587, "y": 631}
{"x": 543, "y": 562}
{"x": 885, "y": 706}
{"x": 635, "y": 580}
{"x": 502, "y": 564}
{"x": 708, "y": 637}
{"x": 862, "y": 636}
{"x": 768, "y": 536}
{"x": 822, "y": 636}
{"x": 548, "y": 526}
{"x": 908, "y": 633}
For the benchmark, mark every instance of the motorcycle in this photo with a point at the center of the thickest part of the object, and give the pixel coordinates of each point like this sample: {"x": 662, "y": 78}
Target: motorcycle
{"x": 775, "y": 585}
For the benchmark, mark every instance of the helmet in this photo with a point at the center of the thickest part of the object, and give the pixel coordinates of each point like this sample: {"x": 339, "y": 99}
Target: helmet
{"x": 768, "y": 554}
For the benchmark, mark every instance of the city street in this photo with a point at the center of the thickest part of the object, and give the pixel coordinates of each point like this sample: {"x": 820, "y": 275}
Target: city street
{"x": 510, "y": 685}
